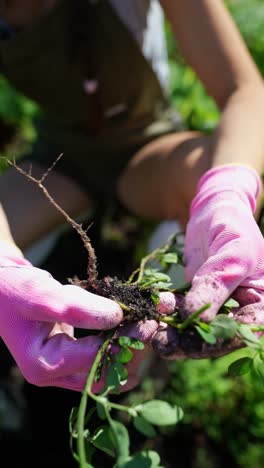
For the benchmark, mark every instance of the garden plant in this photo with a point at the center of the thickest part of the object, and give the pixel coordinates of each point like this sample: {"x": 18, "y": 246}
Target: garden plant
{"x": 139, "y": 298}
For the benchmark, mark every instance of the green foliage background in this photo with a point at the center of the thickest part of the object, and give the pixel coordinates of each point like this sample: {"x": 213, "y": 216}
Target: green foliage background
{"x": 188, "y": 94}
{"x": 227, "y": 412}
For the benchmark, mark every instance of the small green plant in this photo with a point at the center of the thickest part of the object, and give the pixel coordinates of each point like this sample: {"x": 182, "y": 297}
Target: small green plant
{"x": 112, "y": 437}
{"x": 139, "y": 298}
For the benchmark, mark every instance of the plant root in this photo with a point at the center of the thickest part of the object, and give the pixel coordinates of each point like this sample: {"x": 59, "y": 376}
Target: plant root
{"x": 135, "y": 302}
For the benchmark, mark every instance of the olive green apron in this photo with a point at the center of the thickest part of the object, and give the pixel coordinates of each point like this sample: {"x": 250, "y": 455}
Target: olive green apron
{"x": 97, "y": 131}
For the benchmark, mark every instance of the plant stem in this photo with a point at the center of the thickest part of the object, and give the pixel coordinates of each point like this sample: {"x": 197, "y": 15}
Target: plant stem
{"x": 91, "y": 268}
{"x": 119, "y": 407}
{"x": 192, "y": 317}
{"x": 148, "y": 258}
{"x": 170, "y": 321}
{"x": 257, "y": 328}
{"x": 83, "y": 403}
{"x": 87, "y": 392}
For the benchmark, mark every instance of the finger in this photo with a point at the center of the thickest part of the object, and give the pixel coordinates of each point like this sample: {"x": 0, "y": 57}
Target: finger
{"x": 38, "y": 296}
{"x": 229, "y": 262}
{"x": 168, "y": 302}
{"x": 142, "y": 330}
{"x": 86, "y": 310}
{"x": 170, "y": 344}
{"x": 43, "y": 357}
{"x": 213, "y": 284}
{"x": 251, "y": 305}
{"x": 78, "y": 381}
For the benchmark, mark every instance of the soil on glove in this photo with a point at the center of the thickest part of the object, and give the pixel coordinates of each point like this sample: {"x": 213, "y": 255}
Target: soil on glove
{"x": 138, "y": 301}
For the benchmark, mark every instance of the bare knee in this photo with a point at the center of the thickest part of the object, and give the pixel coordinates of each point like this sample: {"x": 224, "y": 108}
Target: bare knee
{"x": 160, "y": 181}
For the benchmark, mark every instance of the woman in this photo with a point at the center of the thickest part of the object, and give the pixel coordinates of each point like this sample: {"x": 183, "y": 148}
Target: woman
{"x": 98, "y": 71}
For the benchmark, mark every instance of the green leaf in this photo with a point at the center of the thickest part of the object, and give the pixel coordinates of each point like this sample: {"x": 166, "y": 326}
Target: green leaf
{"x": 143, "y": 426}
{"x": 224, "y": 327}
{"x": 230, "y": 303}
{"x": 122, "y": 372}
{"x": 125, "y": 355}
{"x": 153, "y": 456}
{"x": 155, "y": 298}
{"x": 131, "y": 342}
{"x": 98, "y": 374}
{"x": 89, "y": 450}
{"x": 73, "y": 419}
{"x": 191, "y": 318}
{"x": 152, "y": 283}
{"x": 144, "y": 459}
{"x": 101, "y": 410}
{"x": 112, "y": 377}
{"x": 155, "y": 274}
{"x": 117, "y": 375}
{"x": 89, "y": 415}
{"x": 165, "y": 286}
{"x": 86, "y": 465}
{"x": 183, "y": 289}
{"x": 121, "y": 439}
{"x": 258, "y": 365}
{"x": 204, "y": 326}
{"x": 160, "y": 413}
{"x": 170, "y": 257}
{"x": 248, "y": 336}
{"x": 150, "y": 271}
{"x": 102, "y": 440}
{"x": 240, "y": 367}
{"x": 206, "y": 336}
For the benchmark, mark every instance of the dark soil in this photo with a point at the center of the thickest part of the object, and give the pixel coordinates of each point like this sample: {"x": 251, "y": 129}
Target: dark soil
{"x": 138, "y": 301}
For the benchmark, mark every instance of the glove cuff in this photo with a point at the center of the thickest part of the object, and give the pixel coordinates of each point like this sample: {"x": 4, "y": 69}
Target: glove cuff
{"x": 240, "y": 179}
{"x": 10, "y": 254}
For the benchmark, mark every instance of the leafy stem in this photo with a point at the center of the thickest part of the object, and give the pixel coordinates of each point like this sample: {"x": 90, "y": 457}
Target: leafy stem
{"x": 154, "y": 255}
{"x": 193, "y": 317}
{"x": 87, "y": 392}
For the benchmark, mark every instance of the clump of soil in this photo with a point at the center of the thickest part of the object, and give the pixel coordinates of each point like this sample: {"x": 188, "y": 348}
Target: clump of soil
{"x": 137, "y": 303}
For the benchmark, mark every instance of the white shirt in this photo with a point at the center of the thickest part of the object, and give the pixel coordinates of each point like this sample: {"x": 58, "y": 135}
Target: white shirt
{"x": 145, "y": 20}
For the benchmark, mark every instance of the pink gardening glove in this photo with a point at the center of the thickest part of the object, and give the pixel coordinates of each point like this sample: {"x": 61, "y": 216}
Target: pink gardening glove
{"x": 37, "y": 316}
{"x": 224, "y": 250}
{"x": 224, "y": 247}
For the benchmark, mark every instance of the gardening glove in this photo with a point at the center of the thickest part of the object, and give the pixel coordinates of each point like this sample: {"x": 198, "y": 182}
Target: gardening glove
{"x": 224, "y": 253}
{"x": 37, "y": 316}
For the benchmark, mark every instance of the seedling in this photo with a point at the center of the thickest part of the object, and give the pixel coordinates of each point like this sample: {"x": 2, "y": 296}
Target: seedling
{"x": 139, "y": 298}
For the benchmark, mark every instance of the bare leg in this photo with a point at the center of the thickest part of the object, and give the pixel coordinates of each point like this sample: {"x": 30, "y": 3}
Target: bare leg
{"x": 161, "y": 179}
{"x": 29, "y": 214}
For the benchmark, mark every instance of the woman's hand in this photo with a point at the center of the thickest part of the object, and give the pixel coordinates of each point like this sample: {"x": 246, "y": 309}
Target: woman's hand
{"x": 37, "y": 316}
{"x": 224, "y": 254}
{"x": 224, "y": 248}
